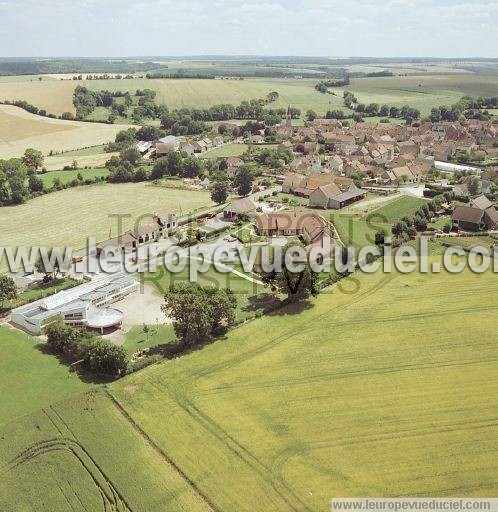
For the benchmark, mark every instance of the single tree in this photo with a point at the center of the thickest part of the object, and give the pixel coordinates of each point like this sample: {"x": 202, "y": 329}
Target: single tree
{"x": 243, "y": 180}
{"x": 8, "y": 289}
{"x": 298, "y": 281}
{"x": 32, "y": 158}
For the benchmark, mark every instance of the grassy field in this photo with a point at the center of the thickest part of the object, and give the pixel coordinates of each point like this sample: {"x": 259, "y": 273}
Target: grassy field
{"x": 227, "y": 150}
{"x": 20, "y": 130}
{"x": 67, "y": 176}
{"x": 358, "y": 224}
{"x": 33, "y": 379}
{"x": 69, "y": 216}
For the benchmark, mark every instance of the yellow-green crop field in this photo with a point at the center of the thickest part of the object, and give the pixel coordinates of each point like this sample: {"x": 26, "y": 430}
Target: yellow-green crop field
{"x": 385, "y": 385}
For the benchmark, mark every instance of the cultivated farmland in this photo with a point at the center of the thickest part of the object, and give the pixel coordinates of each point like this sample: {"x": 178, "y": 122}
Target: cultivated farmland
{"x": 422, "y": 91}
{"x": 69, "y": 216}
{"x": 384, "y": 385}
{"x": 20, "y": 130}
{"x": 95, "y": 461}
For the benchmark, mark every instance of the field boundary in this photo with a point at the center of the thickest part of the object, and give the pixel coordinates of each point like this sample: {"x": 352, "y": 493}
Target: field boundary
{"x": 141, "y": 432}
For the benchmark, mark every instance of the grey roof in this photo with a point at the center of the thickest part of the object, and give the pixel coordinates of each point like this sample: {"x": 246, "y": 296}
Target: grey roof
{"x": 481, "y": 202}
{"x": 168, "y": 139}
{"x": 78, "y": 297}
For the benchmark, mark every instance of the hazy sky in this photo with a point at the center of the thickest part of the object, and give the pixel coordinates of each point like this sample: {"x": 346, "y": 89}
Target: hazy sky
{"x": 452, "y": 28}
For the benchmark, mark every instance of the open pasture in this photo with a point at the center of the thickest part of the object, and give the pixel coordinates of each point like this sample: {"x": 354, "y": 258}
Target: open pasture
{"x": 33, "y": 379}
{"x": 20, "y": 130}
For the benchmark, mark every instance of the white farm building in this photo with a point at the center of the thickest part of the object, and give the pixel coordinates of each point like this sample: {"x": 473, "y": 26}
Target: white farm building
{"x": 85, "y": 305}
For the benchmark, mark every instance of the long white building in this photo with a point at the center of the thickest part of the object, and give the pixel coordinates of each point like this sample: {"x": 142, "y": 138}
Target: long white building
{"x": 85, "y": 305}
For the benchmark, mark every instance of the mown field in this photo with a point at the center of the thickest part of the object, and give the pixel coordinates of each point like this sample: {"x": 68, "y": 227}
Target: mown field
{"x": 68, "y": 217}
{"x": 68, "y": 176}
{"x": 384, "y": 386}
{"x": 20, "y": 130}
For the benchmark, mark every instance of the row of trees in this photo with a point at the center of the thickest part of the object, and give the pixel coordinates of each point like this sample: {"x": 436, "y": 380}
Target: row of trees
{"x": 467, "y": 107}
{"x": 96, "y": 353}
{"x": 406, "y": 112}
{"x": 407, "y": 227}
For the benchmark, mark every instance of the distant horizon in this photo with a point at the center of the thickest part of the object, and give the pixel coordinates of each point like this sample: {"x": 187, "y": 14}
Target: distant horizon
{"x": 224, "y": 56}
{"x": 421, "y": 28}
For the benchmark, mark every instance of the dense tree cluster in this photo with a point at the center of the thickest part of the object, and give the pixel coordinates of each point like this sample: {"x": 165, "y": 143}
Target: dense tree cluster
{"x": 324, "y": 85}
{"x": 407, "y": 227}
{"x": 8, "y": 289}
{"x": 96, "y": 353}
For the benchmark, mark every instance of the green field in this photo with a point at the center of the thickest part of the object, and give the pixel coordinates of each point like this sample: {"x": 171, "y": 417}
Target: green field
{"x": 227, "y": 150}
{"x": 69, "y": 216}
{"x": 31, "y": 379}
{"x": 357, "y": 225}
{"x": 67, "y": 176}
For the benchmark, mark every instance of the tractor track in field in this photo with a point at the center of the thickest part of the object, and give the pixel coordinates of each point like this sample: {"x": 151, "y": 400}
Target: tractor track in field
{"x": 166, "y": 458}
{"x": 240, "y": 451}
{"x": 234, "y": 361}
{"x": 290, "y": 452}
{"x": 112, "y": 499}
{"x": 350, "y": 374}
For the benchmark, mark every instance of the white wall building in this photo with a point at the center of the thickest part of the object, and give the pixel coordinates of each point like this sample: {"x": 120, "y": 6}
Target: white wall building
{"x": 85, "y": 305}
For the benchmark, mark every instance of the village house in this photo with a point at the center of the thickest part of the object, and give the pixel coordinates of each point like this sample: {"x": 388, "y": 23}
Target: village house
{"x": 334, "y": 164}
{"x": 186, "y": 147}
{"x": 333, "y": 196}
{"x": 244, "y": 206}
{"x": 309, "y": 226}
{"x": 163, "y": 225}
{"x": 200, "y": 146}
{"x": 479, "y": 215}
{"x": 166, "y": 145}
{"x": 409, "y": 147}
